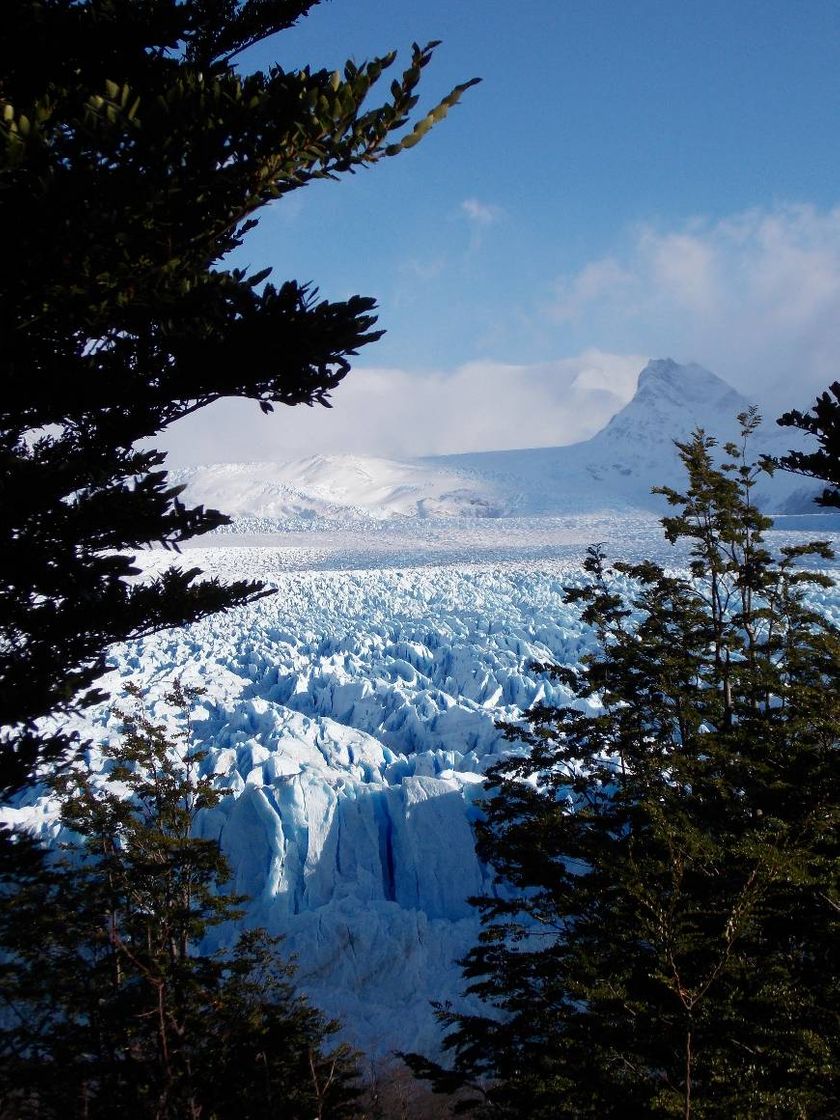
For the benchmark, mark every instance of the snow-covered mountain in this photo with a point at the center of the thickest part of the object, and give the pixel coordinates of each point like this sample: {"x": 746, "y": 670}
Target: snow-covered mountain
{"x": 614, "y": 470}
{"x": 345, "y": 487}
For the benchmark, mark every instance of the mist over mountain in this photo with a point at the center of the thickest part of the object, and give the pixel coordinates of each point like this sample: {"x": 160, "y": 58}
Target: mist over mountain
{"x": 613, "y": 471}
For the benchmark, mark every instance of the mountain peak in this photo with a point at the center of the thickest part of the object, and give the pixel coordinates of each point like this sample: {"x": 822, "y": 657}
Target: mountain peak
{"x": 671, "y": 400}
{"x": 659, "y": 368}
{"x": 665, "y": 375}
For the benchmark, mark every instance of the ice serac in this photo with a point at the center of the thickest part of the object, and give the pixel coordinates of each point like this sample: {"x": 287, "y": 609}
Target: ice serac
{"x": 351, "y": 717}
{"x": 363, "y": 866}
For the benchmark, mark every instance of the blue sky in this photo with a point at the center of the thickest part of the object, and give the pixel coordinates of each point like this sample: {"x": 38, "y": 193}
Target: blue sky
{"x": 632, "y": 178}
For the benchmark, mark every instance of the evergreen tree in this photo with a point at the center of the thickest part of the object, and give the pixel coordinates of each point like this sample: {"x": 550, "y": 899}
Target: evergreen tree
{"x": 110, "y": 1005}
{"x": 135, "y": 153}
{"x": 663, "y": 943}
{"x": 823, "y": 422}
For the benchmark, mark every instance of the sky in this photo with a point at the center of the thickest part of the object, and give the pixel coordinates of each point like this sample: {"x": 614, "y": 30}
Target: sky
{"x": 631, "y": 179}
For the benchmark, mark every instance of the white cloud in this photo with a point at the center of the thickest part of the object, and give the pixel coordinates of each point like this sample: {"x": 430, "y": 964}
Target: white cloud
{"x": 687, "y": 267}
{"x": 595, "y": 281}
{"x": 482, "y": 405}
{"x": 481, "y": 213}
{"x": 424, "y": 270}
{"x": 755, "y": 297}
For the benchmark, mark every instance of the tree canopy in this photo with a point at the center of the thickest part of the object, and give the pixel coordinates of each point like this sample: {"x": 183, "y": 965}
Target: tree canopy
{"x": 663, "y": 936}
{"x": 135, "y": 154}
{"x": 823, "y": 422}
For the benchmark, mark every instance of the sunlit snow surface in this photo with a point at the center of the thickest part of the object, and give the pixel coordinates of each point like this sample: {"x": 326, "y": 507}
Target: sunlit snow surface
{"x": 352, "y": 714}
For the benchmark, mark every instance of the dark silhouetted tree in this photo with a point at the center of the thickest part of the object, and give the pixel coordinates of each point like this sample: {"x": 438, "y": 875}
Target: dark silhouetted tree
{"x": 663, "y": 943}
{"x": 135, "y": 154}
{"x": 823, "y": 422}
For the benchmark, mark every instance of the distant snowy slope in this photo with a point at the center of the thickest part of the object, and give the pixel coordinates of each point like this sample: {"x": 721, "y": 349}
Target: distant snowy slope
{"x": 339, "y": 486}
{"x": 612, "y": 471}
{"x": 616, "y": 468}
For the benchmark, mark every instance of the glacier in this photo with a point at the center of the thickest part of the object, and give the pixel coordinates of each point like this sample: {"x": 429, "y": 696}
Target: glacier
{"x": 352, "y": 716}
{"x": 353, "y": 713}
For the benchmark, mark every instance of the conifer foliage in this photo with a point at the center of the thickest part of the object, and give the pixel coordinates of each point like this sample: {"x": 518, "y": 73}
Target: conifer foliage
{"x": 110, "y": 1005}
{"x": 135, "y": 152}
{"x": 663, "y": 941}
{"x": 823, "y": 422}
